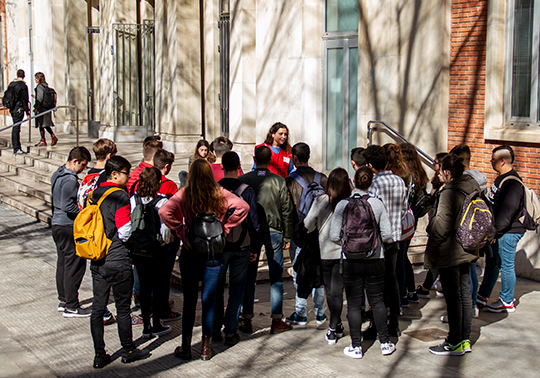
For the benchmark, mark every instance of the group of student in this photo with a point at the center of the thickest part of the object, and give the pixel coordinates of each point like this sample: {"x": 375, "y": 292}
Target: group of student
{"x": 359, "y": 225}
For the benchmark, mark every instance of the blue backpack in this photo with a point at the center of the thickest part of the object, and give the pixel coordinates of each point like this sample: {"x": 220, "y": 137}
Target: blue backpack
{"x": 309, "y": 193}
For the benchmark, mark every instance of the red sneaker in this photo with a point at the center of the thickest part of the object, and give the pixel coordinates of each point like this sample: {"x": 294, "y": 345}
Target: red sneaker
{"x": 279, "y": 326}
{"x": 54, "y": 140}
{"x": 41, "y": 143}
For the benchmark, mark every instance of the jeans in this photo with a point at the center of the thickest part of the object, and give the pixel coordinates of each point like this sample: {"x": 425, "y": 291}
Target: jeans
{"x": 70, "y": 268}
{"x": 503, "y": 259}
{"x": 17, "y": 115}
{"x": 391, "y": 288}
{"x": 333, "y": 284}
{"x": 317, "y": 293}
{"x": 136, "y": 282}
{"x": 153, "y": 287}
{"x": 358, "y": 275}
{"x": 474, "y": 283}
{"x": 120, "y": 278}
{"x": 194, "y": 268}
{"x": 273, "y": 243}
{"x": 237, "y": 264}
{"x": 457, "y": 294}
{"x": 404, "y": 270}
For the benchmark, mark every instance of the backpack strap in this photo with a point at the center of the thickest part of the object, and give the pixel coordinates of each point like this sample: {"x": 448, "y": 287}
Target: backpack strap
{"x": 103, "y": 196}
{"x": 132, "y": 191}
{"x": 300, "y": 180}
{"x": 511, "y": 178}
{"x": 241, "y": 189}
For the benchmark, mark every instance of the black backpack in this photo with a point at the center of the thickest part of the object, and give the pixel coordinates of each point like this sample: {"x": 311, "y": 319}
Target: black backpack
{"x": 49, "y": 98}
{"x": 205, "y": 235}
{"x": 145, "y": 238}
{"x": 360, "y": 239}
{"x": 9, "y": 99}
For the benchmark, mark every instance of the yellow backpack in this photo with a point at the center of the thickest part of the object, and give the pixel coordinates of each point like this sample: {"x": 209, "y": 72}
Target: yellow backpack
{"x": 91, "y": 240}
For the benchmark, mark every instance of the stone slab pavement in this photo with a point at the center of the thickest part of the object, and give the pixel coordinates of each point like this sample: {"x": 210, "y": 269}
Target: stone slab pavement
{"x": 36, "y": 341}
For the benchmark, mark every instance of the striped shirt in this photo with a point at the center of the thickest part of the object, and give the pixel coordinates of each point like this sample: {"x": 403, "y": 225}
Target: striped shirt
{"x": 391, "y": 190}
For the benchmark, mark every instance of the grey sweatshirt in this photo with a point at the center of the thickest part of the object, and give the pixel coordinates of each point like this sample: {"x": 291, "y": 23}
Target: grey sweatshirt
{"x": 64, "y": 186}
{"x": 321, "y": 215}
{"x": 379, "y": 211}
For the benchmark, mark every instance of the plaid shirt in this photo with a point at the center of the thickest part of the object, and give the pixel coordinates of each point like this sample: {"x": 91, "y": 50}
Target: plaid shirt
{"x": 391, "y": 190}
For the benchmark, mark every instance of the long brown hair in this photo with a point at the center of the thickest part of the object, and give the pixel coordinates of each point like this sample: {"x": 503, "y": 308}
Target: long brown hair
{"x": 41, "y": 78}
{"x": 202, "y": 193}
{"x": 149, "y": 182}
{"x": 275, "y": 127}
{"x": 394, "y": 161}
{"x": 338, "y": 186}
{"x": 417, "y": 171}
{"x": 210, "y": 157}
{"x": 435, "y": 180}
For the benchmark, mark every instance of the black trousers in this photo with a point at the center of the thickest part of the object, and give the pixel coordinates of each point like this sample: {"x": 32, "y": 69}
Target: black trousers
{"x": 70, "y": 268}
{"x": 119, "y": 277}
{"x": 457, "y": 294}
{"x": 154, "y": 286}
{"x": 333, "y": 287}
{"x": 358, "y": 275}
{"x": 391, "y": 288}
{"x": 17, "y": 115}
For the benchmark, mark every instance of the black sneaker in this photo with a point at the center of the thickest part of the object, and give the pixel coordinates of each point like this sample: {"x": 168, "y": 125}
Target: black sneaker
{"x": 412, "y": 297}
{"x": 405, "y": 302}
{"x": 134, "y": 355}
{"x": 77, "y": 313}
{"x": 172, "y": 316}
{"x": 245, "y": 325}
{"x": 340, "y": 330}
{"x": 421, "y": 293}
{"x": 61, "y": 306}
{"x": 101, "y": 360}
{"x": 332, "y": 336}
{"x": 232, "y": 340}
{"x": 445, "y": 349}
{"x": 161, "y": 330}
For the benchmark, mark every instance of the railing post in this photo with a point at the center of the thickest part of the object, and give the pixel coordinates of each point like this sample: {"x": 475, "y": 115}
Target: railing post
{"x": 77, "y": 111}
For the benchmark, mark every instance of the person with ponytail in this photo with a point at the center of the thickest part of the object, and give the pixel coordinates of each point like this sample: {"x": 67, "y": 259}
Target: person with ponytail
{"x": 368, "y": 274}
{"x": 201, "y": 195}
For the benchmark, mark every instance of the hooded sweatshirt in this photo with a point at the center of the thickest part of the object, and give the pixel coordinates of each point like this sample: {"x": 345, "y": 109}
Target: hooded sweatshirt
{"x": 64, "y": 186}
{"x": 479, "y": 177}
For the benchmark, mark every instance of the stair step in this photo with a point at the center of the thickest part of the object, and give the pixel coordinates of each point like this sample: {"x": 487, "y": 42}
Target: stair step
{"x": 23, "y": 170}
{"x": 22, "y": 203}
{"x": 40, "y": 191}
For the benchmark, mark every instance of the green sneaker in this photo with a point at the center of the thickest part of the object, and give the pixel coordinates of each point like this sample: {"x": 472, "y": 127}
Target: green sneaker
{"x": 446, "y": 349}
{"x": 466, "y": 345}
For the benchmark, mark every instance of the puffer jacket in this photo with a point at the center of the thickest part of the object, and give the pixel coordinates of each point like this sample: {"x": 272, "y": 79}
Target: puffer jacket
{"x": 443, "y": 249}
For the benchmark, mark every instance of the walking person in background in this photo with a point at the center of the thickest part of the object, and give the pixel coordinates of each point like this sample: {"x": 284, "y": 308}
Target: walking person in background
{"x": 17, "y": 109}
{"x": 364, "y": 273}
{"x": 201, "y": 195}
{"x": 277, "y": 140}
{"x": 70, "y": 268}
{"x": 43, "y": 103}
{"x": 444, "y": 252}
{"x": 320, "y": 217}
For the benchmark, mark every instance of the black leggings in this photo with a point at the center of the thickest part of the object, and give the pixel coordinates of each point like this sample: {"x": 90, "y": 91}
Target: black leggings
{"x": 358, "y": 275}
{"x": 333, "y": 286}
{"x": 42, "y": 131}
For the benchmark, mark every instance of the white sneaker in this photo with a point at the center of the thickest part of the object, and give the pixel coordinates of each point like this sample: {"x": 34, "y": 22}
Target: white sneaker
{"x": 444, "y": 318}
{"x": 475, "y": 312}
{"x": 388, "y": 348}
{"x": 353, "y": 352}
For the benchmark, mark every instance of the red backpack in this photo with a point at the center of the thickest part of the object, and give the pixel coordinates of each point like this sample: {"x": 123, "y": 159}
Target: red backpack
{"x": 360, "y": 237}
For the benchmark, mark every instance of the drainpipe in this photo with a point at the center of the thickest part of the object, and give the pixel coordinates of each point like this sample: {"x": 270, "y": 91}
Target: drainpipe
{"x": 31, "y": 53}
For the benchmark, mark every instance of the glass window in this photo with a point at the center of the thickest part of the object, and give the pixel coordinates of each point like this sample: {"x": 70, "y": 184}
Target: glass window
{"x": 334, "y": 114}
{"x": 341, "y": 15}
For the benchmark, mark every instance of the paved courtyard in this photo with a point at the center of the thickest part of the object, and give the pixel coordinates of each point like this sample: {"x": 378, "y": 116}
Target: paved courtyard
{"x": 36, "y": 341}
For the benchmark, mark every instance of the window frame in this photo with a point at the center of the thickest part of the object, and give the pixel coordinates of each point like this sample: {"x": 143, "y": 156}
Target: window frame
{"x": 511, "y": 121}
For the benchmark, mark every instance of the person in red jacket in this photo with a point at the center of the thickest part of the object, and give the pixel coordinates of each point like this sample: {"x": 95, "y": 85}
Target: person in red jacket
{"x": 149, "y": 150}
{"x": 277, "y": 140}
{"x": 202, "y": 194}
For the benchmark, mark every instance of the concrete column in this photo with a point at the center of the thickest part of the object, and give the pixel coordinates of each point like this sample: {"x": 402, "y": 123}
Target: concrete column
{"x": 178, "y": 78}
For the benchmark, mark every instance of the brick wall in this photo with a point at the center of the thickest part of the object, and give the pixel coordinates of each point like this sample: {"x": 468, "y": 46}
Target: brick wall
{"x": 467, "y": 93}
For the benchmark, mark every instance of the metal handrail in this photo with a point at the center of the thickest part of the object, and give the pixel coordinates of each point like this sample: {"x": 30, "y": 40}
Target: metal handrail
{"x": 46, "y": 112}
{"x": 396, "y": 137}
